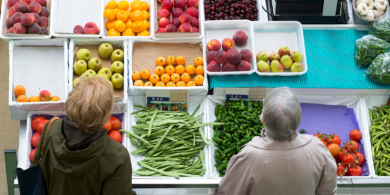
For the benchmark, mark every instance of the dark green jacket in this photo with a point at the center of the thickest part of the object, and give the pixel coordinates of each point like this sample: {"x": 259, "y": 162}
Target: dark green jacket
{"x": 102, "y": 168}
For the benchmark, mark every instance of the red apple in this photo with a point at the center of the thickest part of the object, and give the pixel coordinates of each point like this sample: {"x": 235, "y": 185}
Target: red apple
{"x": 44, "y": 95}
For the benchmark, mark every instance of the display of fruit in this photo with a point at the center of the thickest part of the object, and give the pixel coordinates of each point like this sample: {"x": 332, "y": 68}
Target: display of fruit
{"x": 27, "y": 17}
{"x": 127, "y": 19}
{"x": 280, "y": 61}
{"x": 44, "y": 95}
{"x": 89, "y": 28}
{"x": 171, "y": 72}
{"x": 231, "y": 10}
{"x": 184, "y": 16}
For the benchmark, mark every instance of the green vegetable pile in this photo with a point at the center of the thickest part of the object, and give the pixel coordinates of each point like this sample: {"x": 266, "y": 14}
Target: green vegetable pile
{"x": 379, "y": 70}
{"x": 172, "y": 143}
{"x": 380, "y": 139}
{"x": 368, "y": 47}
{"x": 380, "y": 29}
{"x": 242, "y": 123}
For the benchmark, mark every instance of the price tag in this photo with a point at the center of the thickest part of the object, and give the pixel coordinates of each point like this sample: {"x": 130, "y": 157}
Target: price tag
{"x": 169, "y": 100}
{"x": 236, "y": 93}
{"x": 257, "y": 93}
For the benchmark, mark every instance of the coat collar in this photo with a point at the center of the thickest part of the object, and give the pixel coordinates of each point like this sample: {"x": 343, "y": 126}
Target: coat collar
{"x": 269, "y": 144}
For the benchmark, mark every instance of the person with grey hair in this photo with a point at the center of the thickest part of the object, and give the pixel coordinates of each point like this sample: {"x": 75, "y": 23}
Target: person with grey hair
{"x": 281, "y": 161}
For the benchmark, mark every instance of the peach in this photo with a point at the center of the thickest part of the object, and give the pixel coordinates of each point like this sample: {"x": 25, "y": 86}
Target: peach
{"x": 160, "y": 30}
{"x": 240, "y": 37}
{"x": 27, "y": 19}
{"x": 78, "y": 29}
{"x": 195, "y": 22}
{"x": 163, "y": 22}
{"x": 11, "y": 3}
{"x": 177, "y": 12}
{"x": 37, "y": 18}
{"x": 167, "y": 4}
{"x": 210, "y": 56}
{"x": 170, "y": 28}
{"x": 176, "y": 22}
{"x": 41, "y": 2}
{"x": 26, "y": 1}
{"x": 194, "y": 29}
{"x": 44, "y": 31}
{"x": 192, "y": 3}
{"x": 44, "y": 12}
{"x": 19, "y": 28}
{"x": 9, "y": 22}
{"x": 44, "y": 95}
{"x": 20, "y": 7}
{"x": 180, "y": 3}
{"x": 185, "y": 18}
{"x": 234, "y": 56}
{"x": 213, "y": 67}
{"x": 220, "y": 57}
{"x": 11, "y": 11}
{"x": 163, "y": 13}
{"x": 227, "y": 44}
{"x": 185, "y": 27}
{"x": 91, "y": 28}
{"x": 213, "y": 45}
{"x": 44, "y": 21}
{"x": 34, "y": 29}
{"x": 246, "y": 55}
{"x": 192, "y": 11}
{"x": 11, "y": 30}
{"x": 17, "y": 17}
{"x": 35, "y": 7}
{"x": 243, "y": 66}
{"x": 227, "y": 67}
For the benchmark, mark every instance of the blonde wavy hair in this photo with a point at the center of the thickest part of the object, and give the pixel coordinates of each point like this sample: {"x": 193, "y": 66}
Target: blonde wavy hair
{"x": 90, "y": 103}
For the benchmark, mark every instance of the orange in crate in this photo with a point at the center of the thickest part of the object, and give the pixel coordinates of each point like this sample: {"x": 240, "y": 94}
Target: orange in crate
{"x": 137, "y": 15}
{"x": 110, "y": 24}
{"x": 160, "y": 84}
{"x": 170, "y": 84}
{"x": 198, "y": 61}
{"x": 165, "y": 78}
{"x": 122, "y": 15}
{"x": 109, "y": 14}
{"x": 143, "y": 33}
{"x": 19, "y": 90}
{"x": 145, "y": 5}
{"x": 180, "y": 84}
{"x": 180, "y": 69}
{"x": 138, "y": 83}
{"x": 135, "y": 75}
{"x": 22, "y": 98}
{"x": 145, "y": 74}
{"x": 199, "y": 80}
{"x": 113, "y": 32}
{"x": 136, "y": 5}
{"x": 185, "y": 77}
{"x": 160, "y": 61}
{"x": 34, "y": 99}
{"x": 129, "y": 23}
{"x": 146, "y": 15}
{"x": 199, "y": 70}
{"x": 128, "y": 32}
{"x": 190, "y": 69}
{"x": 120, "y": 26}
{"x": 111, "y": 5}
{"x": 180, "y": 60}
{"x": 148, "y": 84}
{"x": 175, "y": 77}
{"x": 154, "y": 78}
{"x": 170, "y": 69}
{"x": 123, "y": 5}
{"x": 191, "y": 84}
{"x": 138, "y": 26}
{"x": 159, "y": 70}
{"x": 128, "y": 12}
{"x": 171, "y": 60}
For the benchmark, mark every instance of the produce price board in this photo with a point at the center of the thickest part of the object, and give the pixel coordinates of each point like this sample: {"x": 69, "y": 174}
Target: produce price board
{"x": 173, "y": 100}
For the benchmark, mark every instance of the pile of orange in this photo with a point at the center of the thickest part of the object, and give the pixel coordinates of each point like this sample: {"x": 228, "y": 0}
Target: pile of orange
{"x": 125, "y": 19}
{"x": 170, "y": 72}
{"x": 20, "y": 93}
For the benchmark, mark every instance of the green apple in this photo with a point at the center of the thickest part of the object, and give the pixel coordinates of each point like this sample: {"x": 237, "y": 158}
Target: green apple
{"x": 296, "y": 67}
{"x": 262, "y": 56}
{"x": 112, "y": 85}
{"x": 117, "y": 67}
{"x": 117, "y": 55}
{"x": 263, "y": 66}
{"x": 90, "y": 72}
{"x": 286, "y": 61}
{"x": 75, "y": 82}
{"x": 117, "y": 80}
{"x": 276, "y": 66}
{"x": 95, "y": 64}
{"x": 83, "y": 54}
{"x": 105, "y": 50}
{"x": 105, "y": 71}
{"x": 80, "y": 67}
{"x": 296, "y": 56}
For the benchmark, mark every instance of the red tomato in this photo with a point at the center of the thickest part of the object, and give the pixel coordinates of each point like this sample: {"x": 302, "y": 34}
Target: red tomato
{"x": 35, "y": 121}
{"x": 341, "y": 170}
{"x": 350, "y": 159}
{"x": 324, "y": 142}
{"x": 333, "y": 139}
{"x": 32, "y": 153}
{"x": 115, "y": 123}
{"x": 116, "y": 135}
{"x": 359, "y": 158}
{"x": 343, "y": 152}
{"x": 334, "y": 149}
{"x": 355, "y": 171}
{"x": 41, "y": 125}
{"x": 35, "y": 139}
{"x": 352, "y": 145}
{"x": 107, "y": 126}
{"x": 355, "y": 135}
{"x": 320, "y": 136}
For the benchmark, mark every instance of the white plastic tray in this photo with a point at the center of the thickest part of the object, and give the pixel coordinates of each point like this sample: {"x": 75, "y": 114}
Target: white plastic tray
{"x": 119, "y": 105}
{"x": 280, "y": 27}
{"x": 53, "y": 31}
{"x": 259, "y": 14}
{"x": 5, "y": 15}
{"x": 42, "y": 77}
{"x": 152, "y": 21}
{"x": 225, "y": 29}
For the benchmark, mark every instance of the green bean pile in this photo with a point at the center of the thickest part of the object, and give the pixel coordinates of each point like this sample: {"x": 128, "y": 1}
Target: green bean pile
{"x": 380, "y": 139}
{"x": 368, "y": 47}
{"x": 172, "y": 143}
{"x": 380, "y": 29}
{"x": 379, "y": 70}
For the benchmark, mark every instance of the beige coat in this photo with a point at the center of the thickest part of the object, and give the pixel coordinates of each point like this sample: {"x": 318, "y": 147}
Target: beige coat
{"x": 303, "y": 166}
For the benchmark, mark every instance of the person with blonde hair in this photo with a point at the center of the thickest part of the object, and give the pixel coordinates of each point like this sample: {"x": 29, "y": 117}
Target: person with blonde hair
{"x": 78, "y": 157}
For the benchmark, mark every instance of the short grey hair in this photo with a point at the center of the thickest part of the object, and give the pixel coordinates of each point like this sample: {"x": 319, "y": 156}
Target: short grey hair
{"x": 281, "y": 114}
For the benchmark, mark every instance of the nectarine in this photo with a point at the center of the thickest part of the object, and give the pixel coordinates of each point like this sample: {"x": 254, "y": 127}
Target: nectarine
{"x": 234, "y": 56}
{"x": 37, "y": 18}
{"x": 177, "y": 12}
{"x": 44, "y": 12}
{"x": 213, "y": 45}
{"x": 240, "y": 38}
{"x": 17, "y": 17}
{"x": 192, "y": 11}
{"x": 220, "y": 57}
{"x": 18, "y": 28}
{"x": 246, "y": 54}
{"x": 243, "y": 66}
{"x": 170, "y": 28}
{"x": 195, "y": 22}
{"x": 11, "y": 3}
{"x": 176, "y": 22}
{"x": 27, "y": 19}
{"x": 163, "y": 13}
{"x": 34, "y": 29}
{"x": 213, "y": 67}
{"x": 228, "y": 67}
{"x": 9, "y": 22}
{"x": 185, "y": 18}
{"x": 44, "y": 22}
{"x": 160, "y": 30}
{"x": 44, "y": 95}
{"x": 163, "y": 22}
{"x": 180, "y": 3}
{"x": 34, "y": 7}
{"x": 185, "y": 27}
{"x": 21, "y": 7}
{"x": 41, "y": 2}
{"x": 192, "y": 3}
{"x": 167, "y": 4}
{"x": 210, "y": 56}
{"x": 11, "y": 11}
{"x": 227, "y": 44}
{"x": 194, "y": 29}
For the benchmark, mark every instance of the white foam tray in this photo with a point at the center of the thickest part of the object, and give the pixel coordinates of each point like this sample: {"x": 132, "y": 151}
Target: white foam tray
{"x": 222, "y": 27}
{"x": 39, "y": 78}
{"x": 119, "y": 105}
{"x": 152, "y": 22}
{"x": 280, "y": 27}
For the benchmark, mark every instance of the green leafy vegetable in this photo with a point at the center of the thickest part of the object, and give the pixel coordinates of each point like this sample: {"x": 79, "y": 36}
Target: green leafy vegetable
{"x": 380, "y": 29}
{"x": 379, "y": 70}
{"x": 302, "y": 131}
{"x": 368, "y": 47}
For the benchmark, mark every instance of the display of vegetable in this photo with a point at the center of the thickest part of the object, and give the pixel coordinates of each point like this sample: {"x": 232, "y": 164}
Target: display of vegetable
{"x": 368, "y": 47}
{"x": 380, "y": 139}
{"x": 242, "y": 123}
{"x": 379, "y": 70}
{"x": 171, "y": 141}
{"x": 380, "y": 29}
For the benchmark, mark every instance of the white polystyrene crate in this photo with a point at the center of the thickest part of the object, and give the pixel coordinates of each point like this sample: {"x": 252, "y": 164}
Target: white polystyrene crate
{"x": 234, "y": 25}
{"x": 259, "y": 6}
{"x": 281, "y": 27}
{"x": 179, "y": 35}
{"x": 152, "y": 22}
{"x": 5, "y": 15}
{"x": 73, "y": 35}
{"x": 41, "y": 78}
{"x": 193, "y": 102}
{"x": 135, "y": 90}
{"x": 29, "y": 132}
{"x": 119, "y": 105}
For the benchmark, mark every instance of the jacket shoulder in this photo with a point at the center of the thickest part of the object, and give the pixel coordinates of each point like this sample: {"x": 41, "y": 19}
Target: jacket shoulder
{"x": 116, "y": 149}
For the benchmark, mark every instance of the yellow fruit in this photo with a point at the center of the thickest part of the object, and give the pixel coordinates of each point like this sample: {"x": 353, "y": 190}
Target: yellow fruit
{"x": 111, "y": 5}
{"x": 120, "y": 26}
{"x": 180, "y": 69}
{"x": 199, "y": 70}
{"x": 144, "y": 33}
{"x": 180, "y": 84}
{"x": 198, "y": 61}
{"x": 190, "y": 69}
{"x": 136, "y": 5}
{"x": 146, "y": 15}
{"x": 154, "y": 78}
{"x": 191, "y": 84}
{"x": 148, "y": 84}
{"x": 146, "y": 23}
{"x": 185, "y": 77}
{"x": 199, "y": 80}
{"x": 165, "y": 78}
{"x": 136, "y": 75}
{"x": 159, "y": 70}
{"x": 113, "y": 32}
{"x": 137, "y": 15}
{"x": 129, "y": 23}
{"x": 109, "y": 14}
{"x": 145, "y": 5}
{"x": 160, "y": 61}
{"x": 122, "y": 15}
{"x": 175, "y": 77}
{"x": 145, "y": 74}
{"x": 123, "y": 5}
{"x": 138, "y": 83}
{"x": 160, "y": 84}
{"x": 110, "y": 24}
{"x": 170, "y": 69}
{"x": 128, "y": 32}
{"x": 170, "y": 84}
{"x": 138, "y": 26}
{"x": 180, "y": 60}
{"x": 171, "y": 60}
